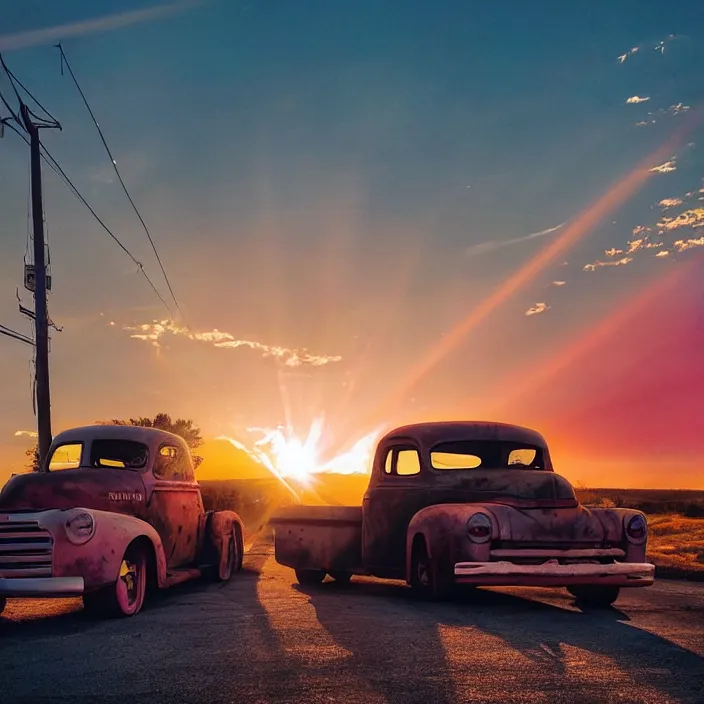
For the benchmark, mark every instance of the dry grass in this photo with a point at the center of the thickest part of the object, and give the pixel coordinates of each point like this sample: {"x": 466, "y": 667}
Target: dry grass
{"x": 676, "y": 542}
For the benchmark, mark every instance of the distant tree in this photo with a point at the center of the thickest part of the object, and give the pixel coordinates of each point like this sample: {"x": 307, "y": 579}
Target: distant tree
{"x": 32, "y": 458}
{"x": 162, "y": 421}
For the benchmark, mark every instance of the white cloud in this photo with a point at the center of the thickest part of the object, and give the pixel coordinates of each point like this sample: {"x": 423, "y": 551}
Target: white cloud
{"x": 26, "y": 433}
{"x": 537, "y": 309}
{"x": 597, "y": 264}
{"x": 493, "y": 245}
{"x": 670, "y": 203}
{"x": 291, "y": 357}
{"x": 106, "y": 23}
{"x": 628, "y": 54}
{"x": 635, "y": 99}
{"x": 559, "y": 283}
{"x": 665, "y": 168}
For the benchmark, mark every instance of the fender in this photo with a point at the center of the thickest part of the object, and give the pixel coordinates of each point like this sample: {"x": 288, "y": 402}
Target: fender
{"x": 443, "y": 526}
{"x": 98, "y": 560}
{"x": 218, "y": 527}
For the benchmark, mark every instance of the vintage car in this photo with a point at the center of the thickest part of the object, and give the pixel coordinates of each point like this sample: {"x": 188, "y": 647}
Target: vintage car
{"x": 115, "y": 512}
{"x": 470, "y": 503}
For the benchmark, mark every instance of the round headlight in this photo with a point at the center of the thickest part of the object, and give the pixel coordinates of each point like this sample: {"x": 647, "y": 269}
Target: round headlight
{"x": 79, "y": 526}
{"x": 637, "y": 528}
{"x": 479, "y": 528}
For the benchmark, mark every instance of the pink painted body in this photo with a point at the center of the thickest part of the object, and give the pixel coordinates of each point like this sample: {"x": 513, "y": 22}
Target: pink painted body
{"x": 535, "y": 533}
{"x": 157, "y": 503}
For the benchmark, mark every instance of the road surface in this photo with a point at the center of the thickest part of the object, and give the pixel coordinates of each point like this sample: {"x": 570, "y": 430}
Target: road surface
{"x": 261, "y": 638}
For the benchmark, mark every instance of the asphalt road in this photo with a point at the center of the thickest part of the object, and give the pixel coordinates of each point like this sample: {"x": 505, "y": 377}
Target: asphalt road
{"x": 261, "y": 638}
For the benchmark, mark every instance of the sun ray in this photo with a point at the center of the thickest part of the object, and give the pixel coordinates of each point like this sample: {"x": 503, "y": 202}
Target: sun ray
{"x": 575, "y": 230}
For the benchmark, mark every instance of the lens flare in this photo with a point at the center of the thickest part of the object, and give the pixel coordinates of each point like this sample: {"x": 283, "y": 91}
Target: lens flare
{"x": 290, "y": 457}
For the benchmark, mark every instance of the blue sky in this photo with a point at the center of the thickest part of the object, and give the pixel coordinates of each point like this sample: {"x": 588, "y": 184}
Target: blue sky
{"x": 313, "y": 174}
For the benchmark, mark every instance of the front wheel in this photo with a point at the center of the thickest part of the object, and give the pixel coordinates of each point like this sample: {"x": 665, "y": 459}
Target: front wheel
{"x": 126, "y": 596}
{"x": 594, "y": 596}
{"x": 3, "y": 603}
{"x": 310, "y": 577}
{"x": 230, "y": 559}
{"x": 427, "y": 580}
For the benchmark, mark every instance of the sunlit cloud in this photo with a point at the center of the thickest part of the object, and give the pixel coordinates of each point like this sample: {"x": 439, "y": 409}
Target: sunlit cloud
{"x": 683, "y": 245}
{"x": 670, "y": 203}
{"x": 639, "y": 230}
{"x": 559, "y": 283}
{"x": 106, "y": 23}
{"x": 693, "y": 218}
{"x": 663, "y": 253}
{"x": 628, "y": 54}
{"x": 616, "y": 262}
{"x": 537, "y": 309}
{"x": 26, "y": 434}
{"x": 677, "y": 109}
{"x": 635, "y": 99}
{"x": 493, "y": 245}
{"x": 665, "y": 168}
{"x": 291, "y": 357}
{"x": 644, "y": 123}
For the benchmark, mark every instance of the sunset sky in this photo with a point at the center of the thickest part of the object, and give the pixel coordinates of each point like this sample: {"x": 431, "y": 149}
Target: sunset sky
{"x": 378, "y": 212}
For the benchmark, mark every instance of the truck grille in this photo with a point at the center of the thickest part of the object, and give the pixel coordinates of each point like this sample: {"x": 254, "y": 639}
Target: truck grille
{"x": 25, "y": 549}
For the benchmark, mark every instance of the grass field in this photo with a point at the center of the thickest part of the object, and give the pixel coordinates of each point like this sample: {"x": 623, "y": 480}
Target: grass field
{"x": 675, "y": 518}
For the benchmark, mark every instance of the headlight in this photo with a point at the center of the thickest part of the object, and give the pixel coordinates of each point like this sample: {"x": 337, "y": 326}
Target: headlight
{"x": 79, "y": 526}
{"x": 637, "y": 529}
{"x": 479, "y": 528}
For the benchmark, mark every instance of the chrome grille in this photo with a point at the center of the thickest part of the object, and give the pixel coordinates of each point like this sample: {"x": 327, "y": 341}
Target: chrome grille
{"x": 25, "y": 549}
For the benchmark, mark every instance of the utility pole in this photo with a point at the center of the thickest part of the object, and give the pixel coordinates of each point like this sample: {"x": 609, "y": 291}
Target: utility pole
{"x": 41, "y": 319}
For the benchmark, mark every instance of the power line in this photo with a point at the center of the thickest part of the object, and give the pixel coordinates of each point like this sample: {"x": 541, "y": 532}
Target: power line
{"x": 65, "y": 61}
{"x": 56, "y": 167}
{"x": 15, "y": 335}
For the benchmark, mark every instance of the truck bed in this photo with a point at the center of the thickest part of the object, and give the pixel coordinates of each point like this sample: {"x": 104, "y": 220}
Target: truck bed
{"x": 325, "y": 538}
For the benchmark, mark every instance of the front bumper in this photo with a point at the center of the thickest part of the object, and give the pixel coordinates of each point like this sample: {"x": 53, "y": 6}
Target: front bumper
{"x": 41, "y": 586}
{"x": 553, "y": 574}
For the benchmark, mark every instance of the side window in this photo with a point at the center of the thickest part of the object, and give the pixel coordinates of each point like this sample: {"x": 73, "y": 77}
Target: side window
{"x": 407, "y": 463}
{"x": 66, "y": 457}
{"x": 402, "y": 462}
{"x": 172, "y": 464}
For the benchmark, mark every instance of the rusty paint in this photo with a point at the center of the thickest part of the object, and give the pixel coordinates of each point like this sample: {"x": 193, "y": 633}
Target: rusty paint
{"x": 126, "y": 505}
{"x": 534, "y": 514}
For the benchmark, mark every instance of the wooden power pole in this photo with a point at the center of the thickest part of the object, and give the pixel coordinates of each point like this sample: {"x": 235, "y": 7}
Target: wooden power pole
{"x": 41, "y": 318}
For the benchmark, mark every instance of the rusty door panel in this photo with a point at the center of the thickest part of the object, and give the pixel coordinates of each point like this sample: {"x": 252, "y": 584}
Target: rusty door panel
{"x": 175, "y": 510}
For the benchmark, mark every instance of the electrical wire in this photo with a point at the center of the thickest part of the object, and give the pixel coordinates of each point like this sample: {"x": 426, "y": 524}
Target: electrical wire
{"x": 65, "y": 62}
{"x": 56, "y": 167}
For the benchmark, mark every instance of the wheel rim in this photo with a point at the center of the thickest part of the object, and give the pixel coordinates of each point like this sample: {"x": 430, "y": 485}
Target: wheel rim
{"x": 131, "y": 584}
{"x": 422, "y": 572}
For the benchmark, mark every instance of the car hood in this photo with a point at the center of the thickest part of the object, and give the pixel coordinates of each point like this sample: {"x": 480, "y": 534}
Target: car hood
{"x": 116, "y": 490}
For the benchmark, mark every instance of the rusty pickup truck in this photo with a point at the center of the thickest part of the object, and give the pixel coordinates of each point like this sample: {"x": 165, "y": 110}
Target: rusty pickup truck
{"x": 115, "y": 512}
{"x": 471, "y": 503}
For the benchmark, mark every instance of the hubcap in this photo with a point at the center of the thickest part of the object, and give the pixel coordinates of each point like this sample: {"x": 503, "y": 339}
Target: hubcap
{"x": 422, "y": 571}
{"x": 128, "y": 577}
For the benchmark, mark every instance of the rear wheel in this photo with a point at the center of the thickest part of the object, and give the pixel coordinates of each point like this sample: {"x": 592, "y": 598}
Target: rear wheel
{"x": 594, "y": 596}
{"x": 427, "y": 580}
{"x": 230, "y": 559}
{"x": 310, "y": 577}
{"x": 126, "y": 596}
{"x": 341, "y": 577}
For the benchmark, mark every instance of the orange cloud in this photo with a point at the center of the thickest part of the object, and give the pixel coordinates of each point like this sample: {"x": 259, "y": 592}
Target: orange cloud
{"x": 537, "y": 309}
{"x": 635, "y": 99}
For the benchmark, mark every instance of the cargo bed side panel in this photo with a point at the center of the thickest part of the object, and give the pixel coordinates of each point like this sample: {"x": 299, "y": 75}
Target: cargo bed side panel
{"x": 319, "y": 538}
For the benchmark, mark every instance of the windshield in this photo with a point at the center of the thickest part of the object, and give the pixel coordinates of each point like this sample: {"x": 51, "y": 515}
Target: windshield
{"x": 486, "y": 454}
{"x": 126, "y": 454}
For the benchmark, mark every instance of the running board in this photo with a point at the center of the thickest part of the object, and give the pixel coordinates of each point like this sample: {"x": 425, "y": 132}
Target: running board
{"x": 180, "y": 576}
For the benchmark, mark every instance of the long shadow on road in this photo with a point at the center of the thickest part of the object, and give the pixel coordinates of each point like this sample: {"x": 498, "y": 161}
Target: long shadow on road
{"x": 490, "y": 641}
